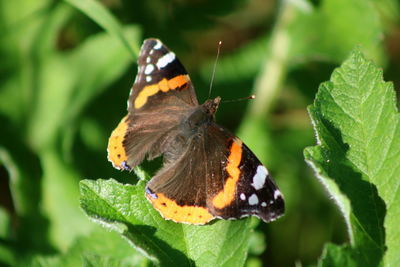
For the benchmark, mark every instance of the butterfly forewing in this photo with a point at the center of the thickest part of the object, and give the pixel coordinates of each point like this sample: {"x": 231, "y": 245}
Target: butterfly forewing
{"x": 160, "y": 97}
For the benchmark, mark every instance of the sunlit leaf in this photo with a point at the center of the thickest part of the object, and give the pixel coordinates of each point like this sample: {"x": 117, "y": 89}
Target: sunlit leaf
{"x": 125, "y": 209}
{"x": 357, "y": 159}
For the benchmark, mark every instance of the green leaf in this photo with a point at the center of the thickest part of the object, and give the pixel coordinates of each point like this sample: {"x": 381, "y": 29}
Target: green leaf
{"x": 47, "y": 86}
{"x": 60, "y": 200}
{"x": 98, "y": 62}
{"x": 68, "y": 81}
{"x": 97, "y": 12}
{"x": 125, "y": 209}
{"x": 92, "y": 250}
{"x": 24, "y": 174}
{"x": 338, "y": 256}
{"x": 357, "y": 159}
{"x": 34, "y": 23}
{"x": 4, "y": 223}
{"x": 6, "y": 253}
{"x": 332, "y": 29}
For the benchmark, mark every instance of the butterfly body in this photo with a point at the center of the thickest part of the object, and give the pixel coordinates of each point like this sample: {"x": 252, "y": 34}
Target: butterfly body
{"x": 201, "y": 117}
{"x": 208, "y": 173}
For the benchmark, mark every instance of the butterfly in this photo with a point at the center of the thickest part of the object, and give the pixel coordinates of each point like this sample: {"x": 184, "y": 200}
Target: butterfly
{"x": 207, "y": 171}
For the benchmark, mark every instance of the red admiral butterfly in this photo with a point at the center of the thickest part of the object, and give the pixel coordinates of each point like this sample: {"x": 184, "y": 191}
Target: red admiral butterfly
{"x": 208, "y": 172}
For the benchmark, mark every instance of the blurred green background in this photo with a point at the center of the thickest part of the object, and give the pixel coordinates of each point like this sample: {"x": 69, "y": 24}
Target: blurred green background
{"x": 66, "y": 68}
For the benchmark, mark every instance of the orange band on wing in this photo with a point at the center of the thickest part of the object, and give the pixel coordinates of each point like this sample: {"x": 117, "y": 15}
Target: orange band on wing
{"x": 164, "y": 85}
{"x": 227, "y": 195}
{"x": 116, "y": 150}
{"x": 170, "y": 210}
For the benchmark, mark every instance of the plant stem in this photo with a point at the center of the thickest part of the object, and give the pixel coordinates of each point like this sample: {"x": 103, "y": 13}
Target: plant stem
{"x": 268, "y": 84}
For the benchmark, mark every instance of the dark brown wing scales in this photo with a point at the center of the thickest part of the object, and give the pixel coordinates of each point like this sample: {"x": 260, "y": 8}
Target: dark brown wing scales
{"x": 161, "y": 96}
{"x": 180, "y": 190}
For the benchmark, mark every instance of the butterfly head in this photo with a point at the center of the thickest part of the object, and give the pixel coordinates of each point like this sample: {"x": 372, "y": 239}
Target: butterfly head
{"x": 211, "y": 105}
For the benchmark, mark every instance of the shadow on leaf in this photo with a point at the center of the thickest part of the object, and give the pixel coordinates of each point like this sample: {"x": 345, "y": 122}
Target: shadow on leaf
{"x": 367, "y": 207}
{"x": 159, "y": 251}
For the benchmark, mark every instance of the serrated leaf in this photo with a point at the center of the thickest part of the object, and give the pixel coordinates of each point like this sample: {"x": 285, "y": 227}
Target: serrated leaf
{"x": 124, "y": 208}
{"x": 357, "y": 159}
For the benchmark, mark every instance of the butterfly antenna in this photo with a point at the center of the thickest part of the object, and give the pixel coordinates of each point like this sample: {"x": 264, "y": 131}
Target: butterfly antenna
{"x": 214, "y": 68}
{"x": 239, "y": 99}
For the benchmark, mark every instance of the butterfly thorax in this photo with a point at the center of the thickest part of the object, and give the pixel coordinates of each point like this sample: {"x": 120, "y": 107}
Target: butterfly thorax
{"x": 201, "y": 116}
{"x": 191, "y": 128}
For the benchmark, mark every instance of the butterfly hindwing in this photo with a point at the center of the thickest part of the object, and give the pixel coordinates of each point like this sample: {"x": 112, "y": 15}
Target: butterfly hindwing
{"x": 216, "y": 176}
{"x": 255, "y": 191}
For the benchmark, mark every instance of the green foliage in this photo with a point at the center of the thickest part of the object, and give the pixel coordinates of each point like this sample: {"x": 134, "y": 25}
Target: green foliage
{"x": 102, "y": 16}
{"x": 65, "y": 72}
{"x": 357, "y": 159}
{"x": 91, "y": 250}
{"x": 125, "y": 209}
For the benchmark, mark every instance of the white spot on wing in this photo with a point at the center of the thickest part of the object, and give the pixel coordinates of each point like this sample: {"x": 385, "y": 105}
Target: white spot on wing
{"x": 165, "y": 60}
{"x": 149, "y": 69}
{"x": 259, "y": 177}
{"x": 148, "y": 78}
{"x": 148, "y": 59}
{"x": 158, "y": 45}
{"x": 242, "y": 196}
{"x": 263, "y": 204}
{"x": 253, "y": 199}
{"x": 277, "y": 194}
